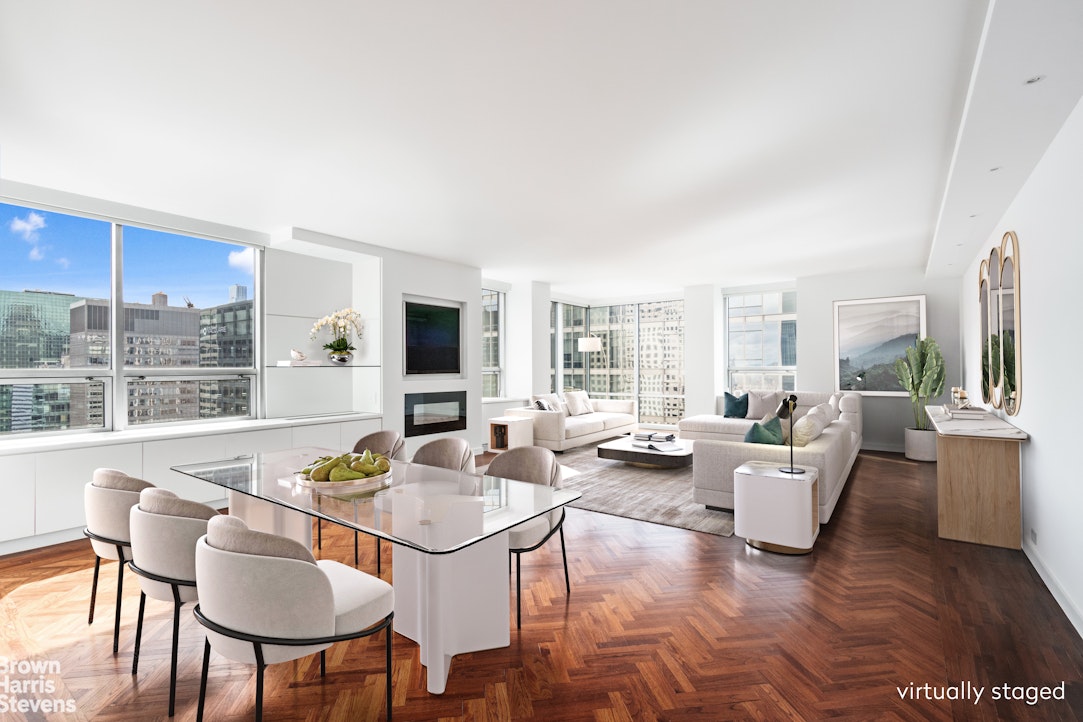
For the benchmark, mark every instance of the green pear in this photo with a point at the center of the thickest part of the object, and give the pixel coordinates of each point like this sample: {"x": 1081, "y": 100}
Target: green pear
{"x": 344, "y": 473}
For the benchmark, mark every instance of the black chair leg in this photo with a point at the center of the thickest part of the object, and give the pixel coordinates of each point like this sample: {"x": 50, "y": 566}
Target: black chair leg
{"x": 356, "y": 558}
{"x": 94, "y": 588}
{"x": 323, "y": 662}
{"x": 260, "y": 666}
{"x": 120, "y": 593}
{"x": 319, "y": 533}
{"x": 564, "y": 554}
{"x": 518, "y": 593}
{"x": 203, "y": 679}
{"x": 177, "y": 604}
{"x": 388, "y": 693}
{"x": 138, "y": 632}
{"x": 379, "y": 549}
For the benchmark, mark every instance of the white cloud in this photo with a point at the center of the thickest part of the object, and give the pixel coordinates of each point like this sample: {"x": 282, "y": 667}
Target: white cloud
{"x": 243, "y": 260}
{"x": 36, "y": 253}
{"x": 28, "y": 227}
{"x": 63, "y": 262}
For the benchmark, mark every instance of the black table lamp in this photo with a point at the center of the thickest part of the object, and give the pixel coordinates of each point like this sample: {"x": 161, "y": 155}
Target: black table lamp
{"x": 785, "y": 411}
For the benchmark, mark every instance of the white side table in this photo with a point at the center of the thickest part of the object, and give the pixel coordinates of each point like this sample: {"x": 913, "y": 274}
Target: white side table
{"x": 774, "y": 510}
{"x": 508, "y": 432}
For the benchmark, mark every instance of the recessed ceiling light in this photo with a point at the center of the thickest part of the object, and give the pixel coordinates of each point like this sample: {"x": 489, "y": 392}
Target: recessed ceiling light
{"x": 973, "y": 215}
{"x": 994, "y": 169}
{"x": 1035, "y": 79}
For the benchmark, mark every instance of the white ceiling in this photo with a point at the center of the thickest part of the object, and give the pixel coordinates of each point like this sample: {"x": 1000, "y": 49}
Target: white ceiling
{"x": 608, "y": 147}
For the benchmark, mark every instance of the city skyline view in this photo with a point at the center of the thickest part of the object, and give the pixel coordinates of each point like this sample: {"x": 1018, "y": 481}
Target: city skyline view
{"x": 48, "y": 251}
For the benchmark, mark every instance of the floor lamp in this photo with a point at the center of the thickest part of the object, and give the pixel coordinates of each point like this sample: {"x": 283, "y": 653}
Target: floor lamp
{"x": 589, "y": 344}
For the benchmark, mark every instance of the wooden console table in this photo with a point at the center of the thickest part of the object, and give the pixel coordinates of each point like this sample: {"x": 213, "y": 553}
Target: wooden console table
{"x": 977, "y": 479}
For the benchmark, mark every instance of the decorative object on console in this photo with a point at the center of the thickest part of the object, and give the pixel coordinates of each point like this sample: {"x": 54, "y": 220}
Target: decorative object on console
{"x": 870, "y": 334}
{"x": 785, "y": 411}
{"x": 342, "y": 324}
{"x": 921, "y": 373}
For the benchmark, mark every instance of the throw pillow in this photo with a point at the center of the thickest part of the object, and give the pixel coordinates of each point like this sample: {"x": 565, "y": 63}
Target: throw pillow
{"x": 551, "y": 400}
{"x": 809, "y": 427}
{"x": 835, "y": 401}
{"x": 578, "y": 403}
{"x": 543, "y": 405}
{"x": 766, "y": 433}
{"x": 761, "y": 403}
{"x": 736, "y": 407}
{"x": 783, "y": 426}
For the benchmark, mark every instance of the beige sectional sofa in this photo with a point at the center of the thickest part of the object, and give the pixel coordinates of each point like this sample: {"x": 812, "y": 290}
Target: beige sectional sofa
{"x": 562, "y": 429}
{"x": 720, "y": 448}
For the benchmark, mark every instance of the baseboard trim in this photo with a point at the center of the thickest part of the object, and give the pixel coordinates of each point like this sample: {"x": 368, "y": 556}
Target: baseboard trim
{"x": 1074, "y": 614}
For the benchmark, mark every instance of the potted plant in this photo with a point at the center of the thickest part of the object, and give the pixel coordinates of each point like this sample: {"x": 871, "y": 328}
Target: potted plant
{"x": 921, "y": 373}
{"x": 342, "y": 324}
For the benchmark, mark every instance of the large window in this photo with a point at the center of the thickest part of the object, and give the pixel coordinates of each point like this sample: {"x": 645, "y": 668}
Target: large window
{"x": 642, "y": 356}
{"x": 761, "y": 341}
{"x": 567, "y": 323}
{"x": 186, "y": 335}
{"x": 492, "y": 343}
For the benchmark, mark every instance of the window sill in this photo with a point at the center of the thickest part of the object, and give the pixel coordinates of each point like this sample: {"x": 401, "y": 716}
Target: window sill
{"x": 24, "y": 444}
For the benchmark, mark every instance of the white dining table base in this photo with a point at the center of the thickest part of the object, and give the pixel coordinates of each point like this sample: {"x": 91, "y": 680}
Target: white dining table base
{"x": 453, "y": 603}
{"x": 448, "y": 604}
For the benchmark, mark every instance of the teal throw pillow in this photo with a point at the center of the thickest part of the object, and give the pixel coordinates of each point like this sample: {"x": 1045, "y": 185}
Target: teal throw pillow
{"x": 769, "y": 432}
{"x": 735, "y": 407}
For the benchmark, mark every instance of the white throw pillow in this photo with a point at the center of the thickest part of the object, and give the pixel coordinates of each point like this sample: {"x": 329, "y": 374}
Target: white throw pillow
{"x": 549, "y": 402}
{"x": 761, "y": 403}
{"x": 834, "y": 401}
{"x": 578, "y": 403}
{"x": 809, "y": 426}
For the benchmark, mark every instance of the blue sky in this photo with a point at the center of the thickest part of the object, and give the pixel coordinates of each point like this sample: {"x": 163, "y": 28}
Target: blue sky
{"x": 51, "y": 251}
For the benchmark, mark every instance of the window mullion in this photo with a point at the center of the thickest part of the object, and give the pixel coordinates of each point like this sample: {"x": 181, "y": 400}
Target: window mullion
{"x": 118, "y": 408}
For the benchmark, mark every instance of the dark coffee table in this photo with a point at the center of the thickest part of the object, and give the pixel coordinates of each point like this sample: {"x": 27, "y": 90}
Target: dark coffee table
{"x": 622, "y": 450}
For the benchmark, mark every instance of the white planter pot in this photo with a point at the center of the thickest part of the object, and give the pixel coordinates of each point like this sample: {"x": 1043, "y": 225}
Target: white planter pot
{"x": 920, "y": 444}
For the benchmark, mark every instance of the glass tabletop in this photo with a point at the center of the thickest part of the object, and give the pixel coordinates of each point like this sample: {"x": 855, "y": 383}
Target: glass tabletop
{"x": 427, "y": 508}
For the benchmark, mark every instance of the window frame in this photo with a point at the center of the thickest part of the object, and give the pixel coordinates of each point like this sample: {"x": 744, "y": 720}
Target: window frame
{"x": 501, "y": 315}
{"x": 782, "y": 370}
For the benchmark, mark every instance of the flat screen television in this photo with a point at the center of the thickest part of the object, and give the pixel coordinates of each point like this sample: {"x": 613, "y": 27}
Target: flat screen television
{"x": 432, "y": 338}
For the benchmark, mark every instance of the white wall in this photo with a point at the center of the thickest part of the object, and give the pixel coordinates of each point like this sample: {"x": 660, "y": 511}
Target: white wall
{"x": 885, "y": 417}
{"x": 408, "y": 275}
{"x": 1047, "y": 216}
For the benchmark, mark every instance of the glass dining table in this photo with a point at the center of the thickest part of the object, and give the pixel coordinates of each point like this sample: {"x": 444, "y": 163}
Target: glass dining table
{"x": 450, "y": 529}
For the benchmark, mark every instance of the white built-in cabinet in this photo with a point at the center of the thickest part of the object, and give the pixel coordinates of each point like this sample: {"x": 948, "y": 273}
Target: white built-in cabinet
{"x": 42, "y": 488}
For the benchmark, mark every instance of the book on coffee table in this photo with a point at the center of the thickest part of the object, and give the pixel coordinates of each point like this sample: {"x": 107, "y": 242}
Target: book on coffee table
{"x": 656, "y": 445}
{"x": 653, "y": 436}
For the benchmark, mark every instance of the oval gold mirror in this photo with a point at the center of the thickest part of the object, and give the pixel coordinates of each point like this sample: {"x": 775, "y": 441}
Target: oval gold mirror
{"x": 992, "y": 338}
{"x": 983, "y": 314}
{"x": 1009, "y": 323}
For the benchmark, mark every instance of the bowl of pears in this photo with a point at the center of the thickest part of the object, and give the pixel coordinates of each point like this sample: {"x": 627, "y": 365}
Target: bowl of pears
{"x": 349, "y": 469}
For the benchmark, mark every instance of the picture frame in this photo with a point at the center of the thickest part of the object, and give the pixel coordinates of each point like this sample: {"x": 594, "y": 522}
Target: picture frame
{"x": 870, "y": 334}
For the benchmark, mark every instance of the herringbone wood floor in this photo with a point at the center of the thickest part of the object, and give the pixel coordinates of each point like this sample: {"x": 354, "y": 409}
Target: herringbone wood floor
{"x": 661, "y": 624}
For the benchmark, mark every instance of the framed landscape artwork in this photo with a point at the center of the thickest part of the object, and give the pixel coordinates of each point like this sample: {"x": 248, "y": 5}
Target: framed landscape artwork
{"x": 870, "y": 334}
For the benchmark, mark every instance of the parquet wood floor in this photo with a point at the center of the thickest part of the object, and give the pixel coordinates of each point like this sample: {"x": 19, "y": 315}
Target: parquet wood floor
{"x": 661, "y": 624}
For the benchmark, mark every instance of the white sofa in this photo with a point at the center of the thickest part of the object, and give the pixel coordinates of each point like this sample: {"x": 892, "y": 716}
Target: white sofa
{"x": 560, "y": 429}
{"x": 719, "y": 448}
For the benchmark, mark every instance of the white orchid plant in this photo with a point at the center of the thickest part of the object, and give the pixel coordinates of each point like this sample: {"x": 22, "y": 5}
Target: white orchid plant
{"x": 342, "y": 324}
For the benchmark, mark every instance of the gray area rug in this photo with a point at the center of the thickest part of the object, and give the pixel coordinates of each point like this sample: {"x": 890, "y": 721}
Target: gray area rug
{"x": 661, "y": 496}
